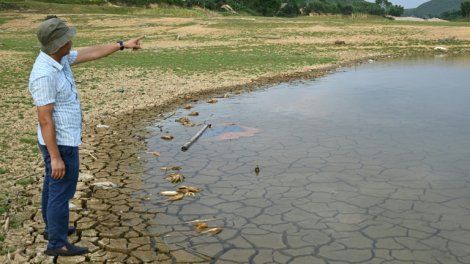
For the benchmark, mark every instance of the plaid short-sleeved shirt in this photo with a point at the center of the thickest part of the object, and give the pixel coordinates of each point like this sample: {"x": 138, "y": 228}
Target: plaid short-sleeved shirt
{"x": 51, "y": 82}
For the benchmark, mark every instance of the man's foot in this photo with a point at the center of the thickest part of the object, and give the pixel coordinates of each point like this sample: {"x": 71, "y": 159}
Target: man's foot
{"x": 71, "y": 231}
{"x": 67, "y": 250}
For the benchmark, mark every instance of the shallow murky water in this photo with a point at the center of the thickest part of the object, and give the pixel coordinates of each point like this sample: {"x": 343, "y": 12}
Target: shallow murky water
{"x": 370, "y": 164}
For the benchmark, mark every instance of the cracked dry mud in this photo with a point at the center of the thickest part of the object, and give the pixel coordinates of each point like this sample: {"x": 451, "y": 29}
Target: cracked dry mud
{"x": 338, "y": 183}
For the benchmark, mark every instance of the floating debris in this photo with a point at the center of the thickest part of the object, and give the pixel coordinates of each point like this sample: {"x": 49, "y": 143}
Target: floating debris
{"x": 175, "y": 177}
{"x": 212, "y": 101}
{"x": 194, "y": 138}
{"x": 167, "y": 137}
{"x": 193, "y": 113}
{"x": 188, "y": 106}
{"x": 257, "y": 170}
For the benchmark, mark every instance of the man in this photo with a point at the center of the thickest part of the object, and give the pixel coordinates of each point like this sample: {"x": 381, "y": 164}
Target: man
{"x": 53, "y": 89}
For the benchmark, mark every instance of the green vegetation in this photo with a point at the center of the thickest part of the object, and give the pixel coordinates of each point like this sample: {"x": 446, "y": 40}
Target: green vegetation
{"x": 286, "y": 8}
{"x": 30, "y": 141}
{"x": 218, "y": 59}
{"x": 435, "y": 8}
{"x": 25, "y": 181}
{"x": 3, "y": 171}
{"x": 465, "y": 9}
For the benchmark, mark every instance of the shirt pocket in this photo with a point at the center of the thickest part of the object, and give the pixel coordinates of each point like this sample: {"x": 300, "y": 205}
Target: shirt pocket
{"x": 64, "y": 90}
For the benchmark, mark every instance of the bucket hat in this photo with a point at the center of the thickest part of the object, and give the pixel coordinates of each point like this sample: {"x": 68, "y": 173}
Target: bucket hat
{"x": 54, "y": 34}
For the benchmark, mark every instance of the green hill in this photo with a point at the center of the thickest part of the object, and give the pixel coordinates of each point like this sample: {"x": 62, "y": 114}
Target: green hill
{"x": 434, "y": 8}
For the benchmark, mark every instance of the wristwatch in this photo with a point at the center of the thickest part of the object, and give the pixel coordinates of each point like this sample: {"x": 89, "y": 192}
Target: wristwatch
{"x": 121, "y": 44}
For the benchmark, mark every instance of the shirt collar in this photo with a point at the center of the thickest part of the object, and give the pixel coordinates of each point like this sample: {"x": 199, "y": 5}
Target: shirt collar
{"x": 50, "y": 61}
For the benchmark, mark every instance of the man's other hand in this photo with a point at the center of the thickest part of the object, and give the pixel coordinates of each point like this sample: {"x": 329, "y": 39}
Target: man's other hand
{"x": 58, "y": 168}
{"x": 133, "y": 43}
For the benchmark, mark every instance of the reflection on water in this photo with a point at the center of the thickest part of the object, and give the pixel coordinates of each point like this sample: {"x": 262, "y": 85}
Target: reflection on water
{"x": 368, "y": 164}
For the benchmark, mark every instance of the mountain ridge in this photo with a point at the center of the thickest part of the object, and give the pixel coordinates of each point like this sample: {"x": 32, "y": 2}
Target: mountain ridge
{"x": 434, "y": 8}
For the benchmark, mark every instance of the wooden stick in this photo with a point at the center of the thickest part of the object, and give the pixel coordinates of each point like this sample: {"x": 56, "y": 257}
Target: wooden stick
{"x": 194, "y": 138}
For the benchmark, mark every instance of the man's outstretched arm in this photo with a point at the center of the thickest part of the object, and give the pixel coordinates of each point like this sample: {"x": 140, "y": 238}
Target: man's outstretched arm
{"x": 100, "y": 51}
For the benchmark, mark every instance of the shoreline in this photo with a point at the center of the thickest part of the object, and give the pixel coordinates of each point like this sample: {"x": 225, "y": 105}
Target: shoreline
{"x": 112, "y": 154}
{"x": 140, "y": 119}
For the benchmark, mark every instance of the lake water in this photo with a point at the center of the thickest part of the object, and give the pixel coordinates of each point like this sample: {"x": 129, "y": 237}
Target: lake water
{"x": 370, "y": 164}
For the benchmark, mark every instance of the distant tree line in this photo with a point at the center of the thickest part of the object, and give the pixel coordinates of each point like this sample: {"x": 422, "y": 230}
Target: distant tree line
{"x": 272, "y": 7}
{"x": 463, "y": 13}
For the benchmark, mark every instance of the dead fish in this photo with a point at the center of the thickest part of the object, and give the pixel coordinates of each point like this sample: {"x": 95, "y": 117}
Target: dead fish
{"x": 257, "y": 170}
{"x": 155, "y": 153}
{"x": 213, "y": 231}
{"x": 185, "y": 121}
{"x": 177, "y": 197}
{"x": 169, "y": 193}
{"x": 193, "y": 113}
{"x": 174, "y": 168}
{"x": 188, "y": 106}
{"x": 188, "y": 189}
{"x": 167, "y": 137}
{"x": 212, "y": 101}
{"x": 201, "y": 226}
{"x": 175, "y": 178}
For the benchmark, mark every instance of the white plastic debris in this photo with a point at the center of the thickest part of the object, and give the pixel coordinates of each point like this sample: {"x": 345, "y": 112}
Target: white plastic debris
{"x": 371, "y": 61}
{"x": 85, "y": 177}
{"x": 101, "y": 126}
{"x": 105, "y": 185}
{"x": 443, "y": 49}
{"x": 72, "y": 207}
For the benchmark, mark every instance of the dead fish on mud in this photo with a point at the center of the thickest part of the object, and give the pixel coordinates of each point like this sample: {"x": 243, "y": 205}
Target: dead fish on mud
{"x": 154, "y": 153}
{"x": 169, "y": 193}
{"x": 176, "y": 197}
{"x": 189, "y": 190}
{"x": 193, "y": 113}
{"x": 167, "y": 137}
{"x": 173, "y": 168}
{"x": 188, "y": 106}
{"x": 212, "y": 101}
{"x": 185, "y": 121}
{"x": 175, "y": 177}
{"x": 201, "y": 226}
{"x": 213, "y": 231}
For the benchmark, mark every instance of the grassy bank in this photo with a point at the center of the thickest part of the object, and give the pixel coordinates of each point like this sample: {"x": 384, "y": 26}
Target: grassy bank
{"x": 185, "y": 51}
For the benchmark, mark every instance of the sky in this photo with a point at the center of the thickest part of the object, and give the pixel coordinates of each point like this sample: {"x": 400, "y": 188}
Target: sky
{"x": 406, "y": 3}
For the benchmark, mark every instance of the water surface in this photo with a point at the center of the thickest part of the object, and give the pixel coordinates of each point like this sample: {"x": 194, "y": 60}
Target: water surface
{"x": 369, "y": 164}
